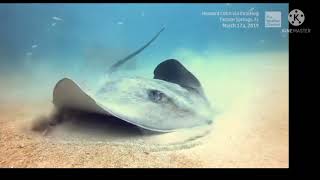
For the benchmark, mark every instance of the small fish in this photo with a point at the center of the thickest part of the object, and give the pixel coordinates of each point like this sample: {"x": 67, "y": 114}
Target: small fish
{"x": 251, "y": 9}
{"x": 57, "y": 18}
{"x": 29, "y": 53}
{"x": 34, "y": 46}
{"x": 120, "y": 22}
{"x": 53, "y": 24}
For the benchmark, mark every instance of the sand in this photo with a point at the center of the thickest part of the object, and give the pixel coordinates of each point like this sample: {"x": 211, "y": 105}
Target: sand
{"x": 251, "y": 132}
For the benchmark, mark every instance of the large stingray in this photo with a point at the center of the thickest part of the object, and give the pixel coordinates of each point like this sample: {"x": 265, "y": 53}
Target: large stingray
{"x": 172, "y": 100}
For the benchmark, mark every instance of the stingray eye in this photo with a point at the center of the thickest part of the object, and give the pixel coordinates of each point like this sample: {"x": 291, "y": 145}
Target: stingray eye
{"x": 156, "y": 96}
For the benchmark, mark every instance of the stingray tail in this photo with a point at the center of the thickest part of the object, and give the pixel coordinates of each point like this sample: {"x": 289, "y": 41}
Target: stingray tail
{"x": 115, "y": 66}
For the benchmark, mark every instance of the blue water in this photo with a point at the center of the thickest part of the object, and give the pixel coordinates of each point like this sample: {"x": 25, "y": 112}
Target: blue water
{"x": 90, "y": 37}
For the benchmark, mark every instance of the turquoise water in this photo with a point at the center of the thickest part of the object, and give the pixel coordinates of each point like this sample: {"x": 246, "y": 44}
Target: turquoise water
{"x": 42, "y": 43}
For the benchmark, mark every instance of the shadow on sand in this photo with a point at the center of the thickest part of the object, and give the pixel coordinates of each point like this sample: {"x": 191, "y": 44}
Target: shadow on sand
{"x": 76, "y": 124}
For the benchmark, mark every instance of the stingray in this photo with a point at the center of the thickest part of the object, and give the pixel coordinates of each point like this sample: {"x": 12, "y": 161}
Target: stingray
{"x": 172, "y": 100}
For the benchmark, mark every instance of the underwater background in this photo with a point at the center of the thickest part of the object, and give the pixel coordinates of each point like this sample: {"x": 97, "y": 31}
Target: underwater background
{"x": 42, "y": 43}
{"x": 244, "y": 73}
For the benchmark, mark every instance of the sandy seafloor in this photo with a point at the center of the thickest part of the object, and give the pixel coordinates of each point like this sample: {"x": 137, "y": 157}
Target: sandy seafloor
{"x": 250, "y": 130}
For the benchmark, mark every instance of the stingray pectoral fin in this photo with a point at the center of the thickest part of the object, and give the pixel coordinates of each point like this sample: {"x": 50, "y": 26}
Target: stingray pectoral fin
{"x": 68, "y": 95}
{"x": 173, "y": 71}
